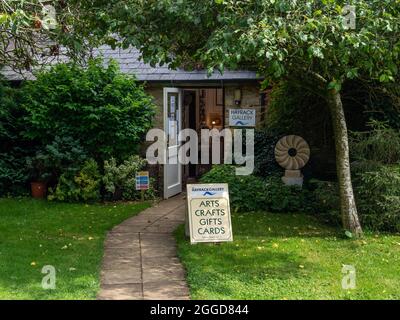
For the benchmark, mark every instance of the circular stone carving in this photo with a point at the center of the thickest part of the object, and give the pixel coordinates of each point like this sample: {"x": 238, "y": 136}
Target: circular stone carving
{"x": 292, "y": 152}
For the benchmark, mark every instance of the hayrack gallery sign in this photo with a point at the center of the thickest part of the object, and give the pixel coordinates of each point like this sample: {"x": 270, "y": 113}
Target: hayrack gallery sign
{"x": 209, "y": 213}
{"x": 242, "y": 117}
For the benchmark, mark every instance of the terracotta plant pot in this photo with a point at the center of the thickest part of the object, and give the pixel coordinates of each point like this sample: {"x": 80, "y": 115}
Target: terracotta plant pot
{"x": 38, "y": 190}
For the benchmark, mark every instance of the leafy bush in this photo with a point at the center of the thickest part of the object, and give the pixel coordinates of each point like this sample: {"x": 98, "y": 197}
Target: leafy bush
{"x": 377, "y": 176}
{"x": 84, "y": 185}
{"x": 60, "y": 156}
{"x": 325, "y": 200}
{"x": 326, "y": 194}
{"x": 377, "y": 195}
{"x": 246, "y": 192}
{"x": 13, "y": 148}
{"x": 219, "y": 174}
{"x": 381, "y": 100}
{"x": 13, "y": 172}
{"x": 378, "y": 198}
{"x": 120, "y": 180}
{"x": 380, "y": 145}
{"x": 64, "y": 154}
{"x": 264, "y": 154}
{"x": 69, "y": 114}
{"x": 39, "y": 167}
{"x": 252, "y": 193}
{"x": 282, "y": 198}
{"x": 105, "y": 111}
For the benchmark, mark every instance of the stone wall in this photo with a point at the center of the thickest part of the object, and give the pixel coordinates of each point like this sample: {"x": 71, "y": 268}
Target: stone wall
{"x": 250, "y": 100}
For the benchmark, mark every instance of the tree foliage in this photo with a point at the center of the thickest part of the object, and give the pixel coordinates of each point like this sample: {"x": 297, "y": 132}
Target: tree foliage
{"x": 34, "y": 33}
{"x": 278, "y": 38}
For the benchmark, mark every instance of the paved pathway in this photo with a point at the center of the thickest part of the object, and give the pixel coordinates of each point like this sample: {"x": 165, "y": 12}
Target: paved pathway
{"x": 140, "y": 259}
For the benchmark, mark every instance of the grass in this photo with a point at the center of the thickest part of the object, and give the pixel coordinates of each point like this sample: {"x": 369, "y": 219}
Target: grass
{"x": 35, "y": 233}
{"x": 286, "y": 256}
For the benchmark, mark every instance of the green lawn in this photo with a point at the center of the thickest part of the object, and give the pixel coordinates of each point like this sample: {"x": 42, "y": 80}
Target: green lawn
{"x": 70, "y": 237}
{"x": 276, "y": 256}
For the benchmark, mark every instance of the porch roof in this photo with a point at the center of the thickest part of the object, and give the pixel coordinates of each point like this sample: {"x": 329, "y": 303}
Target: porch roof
{"x": 130, "y": 63}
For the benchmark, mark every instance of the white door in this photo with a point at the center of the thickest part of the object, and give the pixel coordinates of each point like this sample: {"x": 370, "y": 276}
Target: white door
{"x": 172, "y": 125}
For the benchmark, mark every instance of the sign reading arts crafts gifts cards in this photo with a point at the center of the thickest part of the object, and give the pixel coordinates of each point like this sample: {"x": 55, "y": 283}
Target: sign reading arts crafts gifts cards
{"x": 209, "y": 213}
{"x": 242, "y": 117}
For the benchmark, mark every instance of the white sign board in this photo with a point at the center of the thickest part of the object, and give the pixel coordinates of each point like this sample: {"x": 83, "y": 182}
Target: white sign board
{"x": 209, "y": 213}
{"x": 242, "y": 117}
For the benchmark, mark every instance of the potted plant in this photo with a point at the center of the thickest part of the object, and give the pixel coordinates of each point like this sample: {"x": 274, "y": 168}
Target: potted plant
{"x": 40, "y": 174}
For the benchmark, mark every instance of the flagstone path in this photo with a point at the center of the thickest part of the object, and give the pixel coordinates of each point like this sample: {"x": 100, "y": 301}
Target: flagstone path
{"x": 140, "y": 259}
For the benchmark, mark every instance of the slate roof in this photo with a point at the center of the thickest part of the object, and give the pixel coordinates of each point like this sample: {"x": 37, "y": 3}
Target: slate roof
{"x": 130, "y": 63}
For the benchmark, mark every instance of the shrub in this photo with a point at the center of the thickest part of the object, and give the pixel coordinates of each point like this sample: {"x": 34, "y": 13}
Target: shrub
{"x": 252, "y": 193}
{"x": 377, "y": 176}
{"x": 219, "y": 174}
{"x": 63, "y": 155}
{"x": 326, "y": 194}
{"x": 264, "y": 153}
{"x": 246, "y": 192}
{"x": 382, "y": 100}
{"x": 379, "y": 145}
{"x": 325, "y": 200}
{"x": 120, "y": 180}
{"x": 13, "y": 148}
{"x": 377, "y": 195}
{"x": 39, "y": 167}
{"x": 84, "y": 185}
{"x": 282, "y": 198}
{"x": 13, "y": 172}
{"x": 107, "y": 112}
{"x": 378, "y": 198}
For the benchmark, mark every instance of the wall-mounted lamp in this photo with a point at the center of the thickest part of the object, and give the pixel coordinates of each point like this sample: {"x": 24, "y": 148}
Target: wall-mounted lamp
{"x": 238, "y": 96}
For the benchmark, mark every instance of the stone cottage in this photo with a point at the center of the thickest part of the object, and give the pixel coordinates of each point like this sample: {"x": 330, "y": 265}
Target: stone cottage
{"x": 194, "y": 98}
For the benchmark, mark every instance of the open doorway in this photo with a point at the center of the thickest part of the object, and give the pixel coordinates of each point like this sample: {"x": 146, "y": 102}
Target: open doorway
{"x": 202, "y": 109}
{"x": 196, "y": 109}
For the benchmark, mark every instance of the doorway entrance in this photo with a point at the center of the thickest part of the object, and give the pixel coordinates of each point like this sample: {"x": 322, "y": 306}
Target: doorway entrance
{"x": 189, "y": 108}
